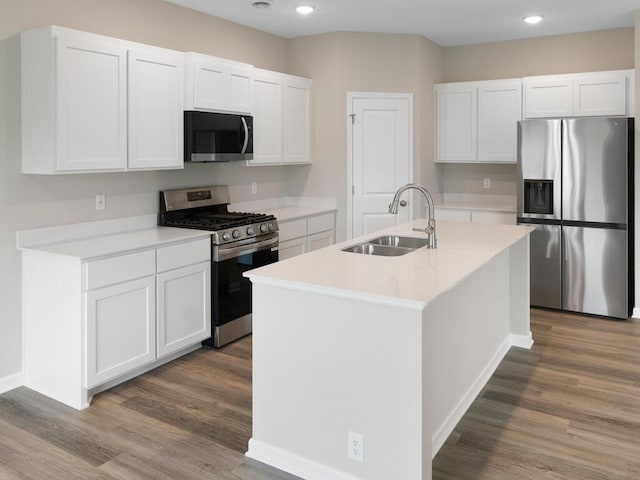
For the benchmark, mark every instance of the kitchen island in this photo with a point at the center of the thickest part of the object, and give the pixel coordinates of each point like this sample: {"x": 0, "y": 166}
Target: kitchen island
{"x": 391, "y": 349}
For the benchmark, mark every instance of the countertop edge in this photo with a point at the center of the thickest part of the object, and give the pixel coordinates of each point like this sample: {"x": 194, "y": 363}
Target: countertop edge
{"x": 337, "y": 292}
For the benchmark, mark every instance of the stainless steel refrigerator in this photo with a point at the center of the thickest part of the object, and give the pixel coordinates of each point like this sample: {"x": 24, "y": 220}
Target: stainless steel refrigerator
{"x": 576, "y": 188}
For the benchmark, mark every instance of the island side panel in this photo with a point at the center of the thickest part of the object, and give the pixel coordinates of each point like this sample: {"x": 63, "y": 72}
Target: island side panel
{"x": 325, "y": 365}
{"x": 519, "y": 296}
{"x": 467, "y": 333}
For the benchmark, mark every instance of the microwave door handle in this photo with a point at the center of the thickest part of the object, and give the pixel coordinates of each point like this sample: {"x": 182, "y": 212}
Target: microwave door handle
{"x": 246, "y": 135}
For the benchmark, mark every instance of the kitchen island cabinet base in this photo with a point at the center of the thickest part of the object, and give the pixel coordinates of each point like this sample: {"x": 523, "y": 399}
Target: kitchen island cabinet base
{"x": 401, "y": 373}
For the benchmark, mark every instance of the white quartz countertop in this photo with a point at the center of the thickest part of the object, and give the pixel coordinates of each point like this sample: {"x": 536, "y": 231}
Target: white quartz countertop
{"x": 284, "y": 214}
{"x": 415, "y": 278}
{"x": 120, "y": 242}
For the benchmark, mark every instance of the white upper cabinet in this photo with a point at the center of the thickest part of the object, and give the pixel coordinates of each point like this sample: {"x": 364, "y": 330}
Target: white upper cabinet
{"x": 74, "y": 103}
{"x": 155, "y": 109}
{"x": 499, "y": 109}
{"x": 548, "y": 97}
{"x": 281, "y": 119}
{"x": 599, "y": 95}
{"x": 579, "y": 95}
{"x": 297, "y": 120}
{"x": 267, "y": 118}
{"x": 477, "y": 121}
{"x": 82, "y": 105}
{"x": 217, "y": 84}
{"x": 456, "y": 122}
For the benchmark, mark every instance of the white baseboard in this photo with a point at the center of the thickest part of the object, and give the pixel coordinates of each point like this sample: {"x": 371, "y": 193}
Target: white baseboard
{"x": 521, "y": 341}
{"x": 636, "y": 312}
{"x": 12, "y": 381}
{"x": 293, "y": 464}
{"x": 445, "y": 429}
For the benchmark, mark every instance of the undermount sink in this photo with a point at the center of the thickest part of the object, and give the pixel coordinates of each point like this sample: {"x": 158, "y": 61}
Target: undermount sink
{"x": 388, "y": 246}
{"x": 402, "y": 242}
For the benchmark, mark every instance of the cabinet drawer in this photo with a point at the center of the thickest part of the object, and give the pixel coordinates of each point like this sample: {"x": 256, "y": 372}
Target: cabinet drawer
{"x": 184, "y": 254}
{"x": 292, "y": 229}
{"x": 321, "y": 223}
{"x": 109, "y": 271}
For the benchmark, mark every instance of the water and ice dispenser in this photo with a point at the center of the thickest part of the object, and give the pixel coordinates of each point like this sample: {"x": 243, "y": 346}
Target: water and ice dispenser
{"x": 538, "y": 196}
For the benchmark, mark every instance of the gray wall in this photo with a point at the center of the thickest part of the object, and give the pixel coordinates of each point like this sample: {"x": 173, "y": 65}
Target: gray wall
{"x": 362, "y": 62}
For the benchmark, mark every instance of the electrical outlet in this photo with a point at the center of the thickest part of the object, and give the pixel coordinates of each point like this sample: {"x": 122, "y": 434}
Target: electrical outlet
{"x": 254, "y": 187}
{"x": 355, "y": 446}
{"x": 486, "y": 183}
{"x": 101, "y": 201}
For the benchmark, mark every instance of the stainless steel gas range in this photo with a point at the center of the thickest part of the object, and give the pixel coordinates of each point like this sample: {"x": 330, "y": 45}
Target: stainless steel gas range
{"x": 239, "y": 242}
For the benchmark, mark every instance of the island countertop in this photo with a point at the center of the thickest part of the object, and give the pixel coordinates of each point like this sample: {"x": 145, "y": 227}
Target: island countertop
{"x": 414, "y": 278}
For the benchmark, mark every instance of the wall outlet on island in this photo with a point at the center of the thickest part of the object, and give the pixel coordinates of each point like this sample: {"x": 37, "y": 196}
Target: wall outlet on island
{"x": 486, "y": 183}
{"x": 101, "y": 201}
{"x": 254, "y": 188}
{"x": 355, "y": 446}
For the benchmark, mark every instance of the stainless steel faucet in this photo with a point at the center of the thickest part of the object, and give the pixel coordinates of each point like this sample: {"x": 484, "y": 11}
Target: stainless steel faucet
{"x": 431, "y": 209}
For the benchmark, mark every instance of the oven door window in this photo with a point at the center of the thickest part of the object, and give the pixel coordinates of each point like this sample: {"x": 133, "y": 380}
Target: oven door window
{"x": 231, "y": 293}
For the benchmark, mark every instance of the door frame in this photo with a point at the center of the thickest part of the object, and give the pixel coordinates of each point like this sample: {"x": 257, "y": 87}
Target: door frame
{"x": 351, "y": 96}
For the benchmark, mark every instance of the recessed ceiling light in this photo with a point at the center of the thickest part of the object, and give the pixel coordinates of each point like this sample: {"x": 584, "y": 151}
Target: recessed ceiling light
{"x": 305, "y": 9}
{"x": 533, "y": 19}
{"x": 261, "y": 3}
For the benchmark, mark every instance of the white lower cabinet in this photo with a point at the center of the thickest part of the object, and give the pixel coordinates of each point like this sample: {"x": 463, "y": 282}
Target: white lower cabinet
{"x": 121, "y": 329}
{"x": 89, "y": 325}
{"x": 321, "y": 240}
{"x": 184, "y": 307}
{"x": 475, "y": 216}
{"x": 306, "y": 234}
{"x": 292, "y": 248}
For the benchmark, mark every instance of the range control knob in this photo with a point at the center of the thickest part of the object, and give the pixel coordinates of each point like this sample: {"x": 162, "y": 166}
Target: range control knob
{"x": 251, "y": 231}
{"x": 264, "y": 228}
{"x": 236, "y": 234}
{"x": 226, "y": 236}
{"x": 271, "y": 227}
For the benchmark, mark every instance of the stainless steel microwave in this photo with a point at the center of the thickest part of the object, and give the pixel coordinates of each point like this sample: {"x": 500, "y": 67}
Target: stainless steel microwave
{"x": 217, "y": 137}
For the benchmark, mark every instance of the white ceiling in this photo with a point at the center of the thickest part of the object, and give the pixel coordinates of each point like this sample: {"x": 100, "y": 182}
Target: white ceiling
{"x": 446, "y": 22}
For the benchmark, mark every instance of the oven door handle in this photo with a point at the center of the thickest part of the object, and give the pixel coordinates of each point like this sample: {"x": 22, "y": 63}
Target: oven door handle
{"x": 221, "y": 253}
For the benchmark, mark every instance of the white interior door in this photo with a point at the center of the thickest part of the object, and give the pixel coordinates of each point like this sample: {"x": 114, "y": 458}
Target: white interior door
{"x": 382, "y": 153}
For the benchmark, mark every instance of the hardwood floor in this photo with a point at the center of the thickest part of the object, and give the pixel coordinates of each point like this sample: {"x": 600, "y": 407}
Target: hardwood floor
{"x": 567, "y": 409}
{"x": 190, "y": 419}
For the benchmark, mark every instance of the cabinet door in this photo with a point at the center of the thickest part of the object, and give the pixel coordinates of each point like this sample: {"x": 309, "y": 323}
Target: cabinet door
{"x": 155, "y": 109}
{"x": 499, "y": 110}
{"x": 547, "y": 98}
{"x": 320, "y": 240}
{"x": 239, "y": 92}
{"x": 184, "y": 307}
{"x": 292, "y": 248}
{"x": 91, "y": 123}
{"x": 297, "y": 125}
{"x": 599, "y": 95}
{"x": 456, "y": 123}
{"x": 267, "y": 119}
{"x": 209, "y": 85}
{"x": 121, "y": 329}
